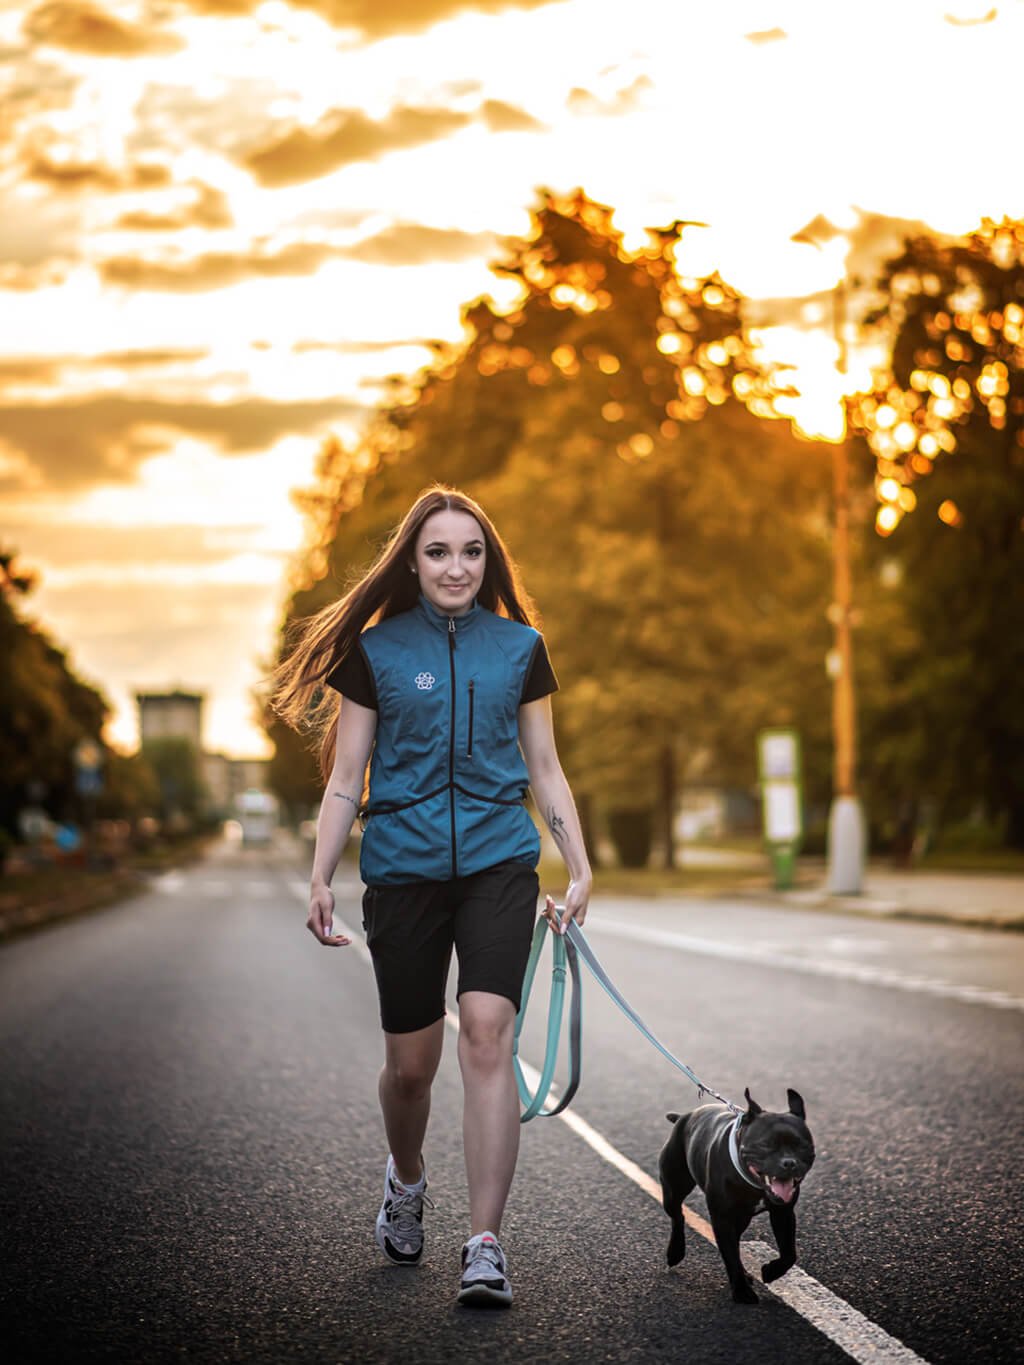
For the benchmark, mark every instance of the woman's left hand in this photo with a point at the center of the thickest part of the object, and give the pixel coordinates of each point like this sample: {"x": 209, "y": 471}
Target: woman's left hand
{"x": 577, "y": 898}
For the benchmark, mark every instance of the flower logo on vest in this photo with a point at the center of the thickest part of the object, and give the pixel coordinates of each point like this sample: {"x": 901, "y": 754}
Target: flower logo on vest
{"x": 425, "y": 681}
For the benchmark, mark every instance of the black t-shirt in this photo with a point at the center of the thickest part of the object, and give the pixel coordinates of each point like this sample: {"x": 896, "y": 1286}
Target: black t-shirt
{"x": 353, "y": 677}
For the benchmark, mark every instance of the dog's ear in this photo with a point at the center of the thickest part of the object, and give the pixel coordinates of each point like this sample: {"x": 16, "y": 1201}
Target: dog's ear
{"x": 796, "y": 1104}
{"x": 753, "y": 1108}
{"x": 672, "y": 1118}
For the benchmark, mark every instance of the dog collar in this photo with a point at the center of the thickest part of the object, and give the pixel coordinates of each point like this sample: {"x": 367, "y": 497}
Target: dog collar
{"x": 734, "y": 1152}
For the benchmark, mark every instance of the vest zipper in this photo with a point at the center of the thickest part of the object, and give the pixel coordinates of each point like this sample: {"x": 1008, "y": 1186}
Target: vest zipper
{"x": 451, "y": 744}
{"x": 469, "y": 747}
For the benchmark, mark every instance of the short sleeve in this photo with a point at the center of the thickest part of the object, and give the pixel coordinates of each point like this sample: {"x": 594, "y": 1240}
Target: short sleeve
{"x": 540, "y": 676}
{"x": 353, "y": 678}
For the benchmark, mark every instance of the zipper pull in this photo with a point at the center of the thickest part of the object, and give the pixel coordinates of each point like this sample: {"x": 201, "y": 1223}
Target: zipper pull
{"x": 451, "y": 625}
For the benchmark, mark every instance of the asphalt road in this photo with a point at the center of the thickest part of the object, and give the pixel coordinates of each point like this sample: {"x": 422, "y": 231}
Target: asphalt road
{"x": 192, "y": 1153}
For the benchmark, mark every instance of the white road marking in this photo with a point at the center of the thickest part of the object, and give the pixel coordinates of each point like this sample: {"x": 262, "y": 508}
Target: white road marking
{"x": 169, "y": 882}
{"x": 861, "y": 1339}
{"x": 813, "y": 966}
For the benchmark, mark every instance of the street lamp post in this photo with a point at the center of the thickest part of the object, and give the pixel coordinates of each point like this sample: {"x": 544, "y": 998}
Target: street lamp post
{"x": 846, "y": 829}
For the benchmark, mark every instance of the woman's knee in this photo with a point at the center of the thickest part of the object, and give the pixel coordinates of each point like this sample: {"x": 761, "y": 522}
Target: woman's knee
{"x": 486, "y": 1032}
{"x": 409, "y": 1078}
{"x": 410, "y": 1064}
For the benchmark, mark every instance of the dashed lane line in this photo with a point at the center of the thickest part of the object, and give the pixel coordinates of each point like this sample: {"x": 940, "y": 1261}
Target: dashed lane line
{"x": 862, "y": 973}
{"x": 860, "y": 1338}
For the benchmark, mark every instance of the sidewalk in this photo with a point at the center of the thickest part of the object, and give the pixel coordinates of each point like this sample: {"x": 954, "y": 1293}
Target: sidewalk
{"x": 985, "y": 900}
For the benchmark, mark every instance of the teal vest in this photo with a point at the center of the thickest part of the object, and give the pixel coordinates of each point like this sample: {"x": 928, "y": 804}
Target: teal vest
{"x": 447, "y": 776}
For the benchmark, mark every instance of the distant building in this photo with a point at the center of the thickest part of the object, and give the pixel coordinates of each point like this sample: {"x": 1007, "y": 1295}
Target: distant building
{"x": 179, "y": 715}
{"x": 171, "y": 715}
{"x": 226, "y": 779}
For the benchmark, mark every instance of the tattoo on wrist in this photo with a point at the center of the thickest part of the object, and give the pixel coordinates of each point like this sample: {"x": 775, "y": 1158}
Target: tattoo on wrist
{"x": 342, "y": 797}
{"x": 556, "y": 824}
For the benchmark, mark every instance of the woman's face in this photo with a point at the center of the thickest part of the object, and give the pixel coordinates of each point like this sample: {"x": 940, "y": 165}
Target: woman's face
{"x": 450, "y": 557}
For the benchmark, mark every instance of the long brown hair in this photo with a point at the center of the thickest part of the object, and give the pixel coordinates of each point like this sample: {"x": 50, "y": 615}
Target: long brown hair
{"x": 315, "y": 644}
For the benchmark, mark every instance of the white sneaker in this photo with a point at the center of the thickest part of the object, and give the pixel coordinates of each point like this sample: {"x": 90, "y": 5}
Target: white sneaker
{"x": 399, "y": 1230}
{"x": 484, "y": 1282}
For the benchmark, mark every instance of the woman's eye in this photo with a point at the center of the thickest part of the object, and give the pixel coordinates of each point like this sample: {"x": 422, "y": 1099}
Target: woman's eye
{"x": 434, "y": 554}
{"x": 474, "y": 552}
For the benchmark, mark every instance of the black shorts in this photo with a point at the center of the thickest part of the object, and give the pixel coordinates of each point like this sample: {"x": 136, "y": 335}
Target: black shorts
{"x": 410, "y": 931}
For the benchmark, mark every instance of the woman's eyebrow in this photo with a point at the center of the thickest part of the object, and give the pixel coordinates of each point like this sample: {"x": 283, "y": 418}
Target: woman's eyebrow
{"x": 443, "y": 544}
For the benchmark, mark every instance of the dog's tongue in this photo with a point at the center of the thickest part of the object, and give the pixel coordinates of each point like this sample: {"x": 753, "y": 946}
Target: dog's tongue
{"x": 782, "y": 1189}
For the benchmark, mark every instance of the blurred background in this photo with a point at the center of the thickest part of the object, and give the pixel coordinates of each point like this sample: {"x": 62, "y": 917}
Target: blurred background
{"x": 717, "y": 309}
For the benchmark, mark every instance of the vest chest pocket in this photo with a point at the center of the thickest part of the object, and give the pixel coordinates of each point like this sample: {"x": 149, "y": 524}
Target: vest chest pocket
{"x": 487, "y": 716}
{"x": 414, "y": 710}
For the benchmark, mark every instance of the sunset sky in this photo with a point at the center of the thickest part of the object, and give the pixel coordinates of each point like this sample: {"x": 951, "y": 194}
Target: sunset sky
{"x": 225, "y": 223}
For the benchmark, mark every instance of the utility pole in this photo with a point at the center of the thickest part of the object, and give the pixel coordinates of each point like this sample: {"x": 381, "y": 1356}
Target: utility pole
{"x": 846, "y": 829}
{"x": 846, "y": 836}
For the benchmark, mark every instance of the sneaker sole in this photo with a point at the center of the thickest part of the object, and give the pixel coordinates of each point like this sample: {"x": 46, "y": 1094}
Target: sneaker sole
{"x": 483, "y": 1296}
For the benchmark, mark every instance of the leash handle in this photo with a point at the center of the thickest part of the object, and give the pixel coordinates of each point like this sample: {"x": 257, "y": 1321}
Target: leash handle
{"x": 564, "y": 961}
{"x": 575, "y": 936}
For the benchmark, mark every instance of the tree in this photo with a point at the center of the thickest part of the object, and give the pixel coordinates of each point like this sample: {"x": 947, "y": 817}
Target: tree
{"x": 615, "y": 424}
{"x": 945, "y": 423}
{"x": 46, "y": 710}
{"x": 175, "y": 762}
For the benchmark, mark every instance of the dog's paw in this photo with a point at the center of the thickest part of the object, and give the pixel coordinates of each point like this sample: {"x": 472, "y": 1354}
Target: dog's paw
{"x": 774, "y": 1270}
{"x": 676, "y": 1249}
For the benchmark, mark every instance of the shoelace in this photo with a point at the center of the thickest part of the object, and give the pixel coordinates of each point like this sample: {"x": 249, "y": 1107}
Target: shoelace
{"x": 407, "y": 1209}
{"x": 484, "y": 1262}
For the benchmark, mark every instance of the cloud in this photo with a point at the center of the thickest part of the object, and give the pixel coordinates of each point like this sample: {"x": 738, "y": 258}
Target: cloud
{"x": 623, "y": 101}
{"x": 355, "y": 347}
{"x": 83, "y": 27}
{"x": 74, "y": 543}
{"x": 69, "y": 173}
{"x": 214, "y": 269}
{"x": 207, "y": 208}
{"x": 344, "y": 137}
{"x": 414, "y": 244}
{"x": 74, "y": 444}
{"x": 507, "y": 118}
{"x": 31, "y": 86}
{"x": 25, "y": 279}
{"x": 400, "y": 244}
{"x": 969, "y": 21}
{"x": 49, "y": 370}
{"x": 146, "y": 358}
{"x": 378, "y": 18}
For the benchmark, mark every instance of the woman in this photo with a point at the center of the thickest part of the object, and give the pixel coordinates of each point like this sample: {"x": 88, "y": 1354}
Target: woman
{"x": 445, "y": 689}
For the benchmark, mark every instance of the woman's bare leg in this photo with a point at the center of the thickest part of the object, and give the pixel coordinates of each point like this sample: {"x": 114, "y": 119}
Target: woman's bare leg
{"x": 410, "y": 1065}
{"x": 490, "y": 1124}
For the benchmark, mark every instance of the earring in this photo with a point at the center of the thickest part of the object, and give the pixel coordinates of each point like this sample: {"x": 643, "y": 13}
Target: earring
{"x": 412, "y": 570}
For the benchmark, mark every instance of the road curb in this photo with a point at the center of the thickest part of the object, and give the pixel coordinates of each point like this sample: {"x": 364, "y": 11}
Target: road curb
{"x": 873, "y": 907}
{"x": 107, "y": 889}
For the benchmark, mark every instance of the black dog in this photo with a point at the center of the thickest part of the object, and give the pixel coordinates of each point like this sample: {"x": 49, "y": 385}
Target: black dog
{"x": 740, "y": 1164}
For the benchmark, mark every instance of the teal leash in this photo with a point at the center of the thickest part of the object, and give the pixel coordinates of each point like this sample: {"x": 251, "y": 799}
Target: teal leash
{"x": 566, "y": 950}
{"x": 564, "y": 959}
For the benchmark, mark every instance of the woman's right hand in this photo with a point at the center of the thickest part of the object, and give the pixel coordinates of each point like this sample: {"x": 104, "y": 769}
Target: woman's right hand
{"x": 321, "y": 913}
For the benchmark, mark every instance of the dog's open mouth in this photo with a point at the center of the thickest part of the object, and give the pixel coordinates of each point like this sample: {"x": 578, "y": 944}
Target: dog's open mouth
{"x": 782, "y": 1189}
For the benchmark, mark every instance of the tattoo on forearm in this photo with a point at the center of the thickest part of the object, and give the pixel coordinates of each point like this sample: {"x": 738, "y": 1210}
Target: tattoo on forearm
{"x": 343, "y": 797}
{"x": 556, "y": 825}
